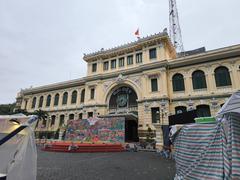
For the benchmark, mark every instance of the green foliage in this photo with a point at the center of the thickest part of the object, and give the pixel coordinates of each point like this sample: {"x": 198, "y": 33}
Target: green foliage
{"x": 150, "y": 135}
{"x": 23, "y": 111}
{"x": 7, "y": 109}
{"x": 42, "y": 116}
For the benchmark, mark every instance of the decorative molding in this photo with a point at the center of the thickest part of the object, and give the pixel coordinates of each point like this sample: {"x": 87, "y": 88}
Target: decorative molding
{"x": 155, "y": 104}
{"x": 106, "y": 85}
{"x": 137, "y": 80}
{"x": 163, "y": 69}
{"x": 161, "y": 45}
{"x": 146, "y": 106}
{"x": 214, "y": 103}
{"x": 120, "y": 79}
{"x": 153, "y": 75}
{"x": 202, "y": 101}
{"x": 201, "y": 97}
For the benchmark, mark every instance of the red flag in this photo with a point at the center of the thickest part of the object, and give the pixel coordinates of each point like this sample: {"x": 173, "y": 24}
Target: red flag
{"x": 137, "y": 32}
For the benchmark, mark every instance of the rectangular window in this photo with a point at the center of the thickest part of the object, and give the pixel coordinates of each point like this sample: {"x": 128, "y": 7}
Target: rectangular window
{"x": 94, "y": 67}
{"x": 92, "y": 93}
{"x": 154, "y": 85}
{"x": 138, "y": 57}
{"x": 90, "y": 114}
{"x": 155, "y": 115}
{"x": 53, "y": 120}
{"x": 130, "y": 60}
{"x": 105, "y": 66}
{"x": 121, "y": 62}
{"x": 61, "y": 122}
{"x": 80, "y": 116}
{"x": 153, "y": 53}
{"x": 113, "y": 64}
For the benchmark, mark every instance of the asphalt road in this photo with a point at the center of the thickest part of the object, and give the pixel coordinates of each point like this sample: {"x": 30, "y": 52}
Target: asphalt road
{"x": 104, "y": 166}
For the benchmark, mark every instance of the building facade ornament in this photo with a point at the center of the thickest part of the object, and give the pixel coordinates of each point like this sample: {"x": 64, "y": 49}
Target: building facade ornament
{"x": 120, "y": 79}
{"x": 106, "y": 85}
{"x": 137, "y": 80}
{"x": 146, "y": 106}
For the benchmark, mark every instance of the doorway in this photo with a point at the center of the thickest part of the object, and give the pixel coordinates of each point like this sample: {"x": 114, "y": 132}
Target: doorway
{"x": 131, "y": 131}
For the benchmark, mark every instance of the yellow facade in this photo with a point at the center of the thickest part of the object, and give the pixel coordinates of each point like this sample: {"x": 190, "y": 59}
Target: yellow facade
{"x": 139, "y": 76}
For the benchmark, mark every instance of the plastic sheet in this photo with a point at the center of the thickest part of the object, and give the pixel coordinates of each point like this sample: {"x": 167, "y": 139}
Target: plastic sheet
{"x": 211, "y": 151}
{"x": 18, "y": 156}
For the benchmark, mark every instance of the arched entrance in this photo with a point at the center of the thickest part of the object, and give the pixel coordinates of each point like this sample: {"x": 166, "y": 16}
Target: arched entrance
{"x": 123, "y": 103}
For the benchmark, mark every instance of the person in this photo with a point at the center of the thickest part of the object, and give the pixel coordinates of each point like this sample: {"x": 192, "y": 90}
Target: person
{"x": 72, "y": 146}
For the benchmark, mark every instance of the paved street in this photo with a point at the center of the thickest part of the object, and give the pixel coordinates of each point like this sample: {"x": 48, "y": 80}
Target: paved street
{"x": 103, "y": 166}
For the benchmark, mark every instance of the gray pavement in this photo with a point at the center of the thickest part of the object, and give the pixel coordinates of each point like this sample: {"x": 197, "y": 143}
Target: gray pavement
{"x": 104, "y": 166}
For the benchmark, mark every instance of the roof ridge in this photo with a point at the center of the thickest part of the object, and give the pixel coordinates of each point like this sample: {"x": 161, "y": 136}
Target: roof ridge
{"x": 101, "y": 51}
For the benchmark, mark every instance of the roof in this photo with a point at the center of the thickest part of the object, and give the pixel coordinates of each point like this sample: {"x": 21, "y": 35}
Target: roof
{"x": 192, "y": 52}
{"x": 128, "y": 45}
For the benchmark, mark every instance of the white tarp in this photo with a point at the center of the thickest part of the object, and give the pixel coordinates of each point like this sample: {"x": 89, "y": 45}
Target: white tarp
{"x": 231, "y": 105}
{"x": 211, "y": 151}
{"x": 18, "y": 156}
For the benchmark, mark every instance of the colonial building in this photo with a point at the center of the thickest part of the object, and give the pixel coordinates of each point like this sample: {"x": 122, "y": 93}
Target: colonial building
{"x": 145, "y": 81}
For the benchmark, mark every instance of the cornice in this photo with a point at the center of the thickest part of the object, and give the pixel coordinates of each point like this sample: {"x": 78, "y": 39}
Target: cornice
{"x": 201, "y": 97}
{"x": 55, "y": 86}
{"x": 209, "y": 56}
{"x": 125, "y": 47}
{"x": 153, "y": 99}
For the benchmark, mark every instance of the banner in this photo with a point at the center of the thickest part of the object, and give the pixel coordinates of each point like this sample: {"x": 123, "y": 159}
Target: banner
{"x": 105, "y": 130}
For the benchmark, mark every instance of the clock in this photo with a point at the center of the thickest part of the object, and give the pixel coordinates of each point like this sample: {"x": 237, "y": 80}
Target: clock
{"x": 122, "y": 100}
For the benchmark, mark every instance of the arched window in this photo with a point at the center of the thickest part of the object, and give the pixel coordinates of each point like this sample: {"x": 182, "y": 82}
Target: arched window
{"x": 53, "y": 118}
{"x": 222, "y": 76}
{"x": 123, "y": 97}
{"x": 56, "y": 99}
{"x": 82, "y": 96}
{"x": 199, "y": 80}
{"x": 65, "y": 98}
{"x": 48, "y": 100}
{"x": 71, "y": 116}
{"x": 34, "y": 102}
{"x": 203, "y": 111}
{"x": 61, "y": 121}
{"x": 40, "y": 102}
{"x": 74, "y": 97}
{"x": 180, "y": 109}
{"x": 178, "y": 82}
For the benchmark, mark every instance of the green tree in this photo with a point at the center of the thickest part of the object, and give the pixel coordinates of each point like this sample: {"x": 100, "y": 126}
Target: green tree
{"x": 23, "y": 111}
{"x": 42, "y": 116}
{"x": 7, "y": 109}
{"x": 150, "y": 135}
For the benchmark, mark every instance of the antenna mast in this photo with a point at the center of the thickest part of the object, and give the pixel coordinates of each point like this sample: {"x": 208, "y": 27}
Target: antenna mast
{"x": 175, "y": 30}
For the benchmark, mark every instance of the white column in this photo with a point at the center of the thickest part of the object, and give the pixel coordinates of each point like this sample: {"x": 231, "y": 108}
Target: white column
{"x": 159, "y": 136}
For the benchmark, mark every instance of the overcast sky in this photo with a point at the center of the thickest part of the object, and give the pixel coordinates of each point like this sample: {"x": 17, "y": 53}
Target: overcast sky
{"x": 43, "y": 41}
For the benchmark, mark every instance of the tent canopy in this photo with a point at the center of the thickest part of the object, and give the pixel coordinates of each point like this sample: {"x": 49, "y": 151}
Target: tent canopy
{"x": 211, "y": 151}
{"x": 231, "y": 105}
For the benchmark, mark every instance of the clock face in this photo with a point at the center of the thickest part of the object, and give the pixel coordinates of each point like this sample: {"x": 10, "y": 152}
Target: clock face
{"x": 122, "y": 100}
